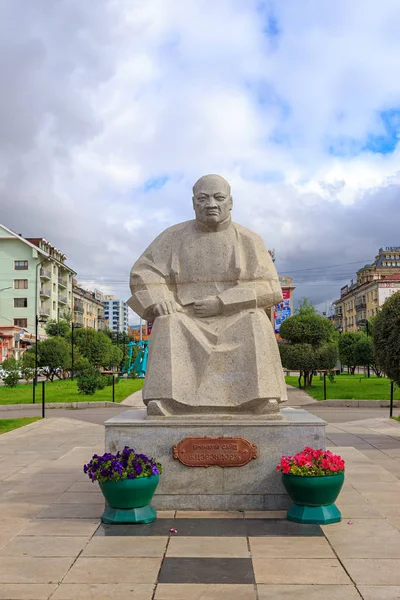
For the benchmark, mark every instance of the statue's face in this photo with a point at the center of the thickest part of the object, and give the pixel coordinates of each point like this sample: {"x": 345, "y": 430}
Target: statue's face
{"x": 212, "y": 201}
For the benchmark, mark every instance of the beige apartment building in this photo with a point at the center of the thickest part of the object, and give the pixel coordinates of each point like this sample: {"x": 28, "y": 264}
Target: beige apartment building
{"x": 88, "y": 308}
{"x": 361, "y": 299}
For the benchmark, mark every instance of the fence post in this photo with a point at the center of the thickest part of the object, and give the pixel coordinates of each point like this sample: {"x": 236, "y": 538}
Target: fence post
{"x": 43, "y": 398}
{"x": 391, "y": 397}
{"x": 324, "y": 386}
{"x": 113, "y": 388}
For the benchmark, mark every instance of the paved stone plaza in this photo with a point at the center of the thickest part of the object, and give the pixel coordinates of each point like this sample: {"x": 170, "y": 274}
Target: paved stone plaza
{"x": 53, "y": 546}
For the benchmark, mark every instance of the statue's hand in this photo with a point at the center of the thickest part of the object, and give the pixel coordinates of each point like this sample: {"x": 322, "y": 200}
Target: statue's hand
{"x": 209, "y": 307}
{"x": 168, "y": 307}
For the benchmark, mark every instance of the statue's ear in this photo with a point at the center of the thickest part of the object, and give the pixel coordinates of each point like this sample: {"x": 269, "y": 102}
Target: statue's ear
{"x": 193, "y": 202}
{"x": 230, "y": 202}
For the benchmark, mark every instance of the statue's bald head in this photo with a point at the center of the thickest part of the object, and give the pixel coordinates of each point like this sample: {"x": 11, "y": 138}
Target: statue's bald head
{"x": 211, "y": 181}
{"x": 212, "y": 200}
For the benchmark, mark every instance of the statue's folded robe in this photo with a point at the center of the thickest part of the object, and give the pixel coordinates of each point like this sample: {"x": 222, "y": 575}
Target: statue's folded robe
{"x": 227, "y": 360}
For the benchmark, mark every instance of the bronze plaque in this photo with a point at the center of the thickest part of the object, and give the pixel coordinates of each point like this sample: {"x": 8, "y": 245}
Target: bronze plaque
{"x": 207, "y": 451}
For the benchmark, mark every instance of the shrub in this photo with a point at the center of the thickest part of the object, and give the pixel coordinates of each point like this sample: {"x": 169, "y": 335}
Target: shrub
{"x": 84, "y": 368}
{"x": 88, "y": 385}
{"x": 109, "y": 379}
{"x": 11, "y": 379}
{"x": 11, "y": 373}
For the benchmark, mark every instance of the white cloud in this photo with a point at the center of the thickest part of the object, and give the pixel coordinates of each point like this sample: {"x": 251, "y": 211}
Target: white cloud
{"x": 98, "y": 104}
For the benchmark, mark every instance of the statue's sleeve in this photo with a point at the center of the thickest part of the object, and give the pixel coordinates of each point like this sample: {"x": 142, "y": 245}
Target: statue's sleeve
{"x": 258, "y": 286}
{"x": 150, "y": 278}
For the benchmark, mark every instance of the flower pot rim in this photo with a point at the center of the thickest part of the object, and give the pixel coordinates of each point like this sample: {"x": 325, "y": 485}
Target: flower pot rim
{"x": 313, "y": 476}
{"x": 128, "y": 479}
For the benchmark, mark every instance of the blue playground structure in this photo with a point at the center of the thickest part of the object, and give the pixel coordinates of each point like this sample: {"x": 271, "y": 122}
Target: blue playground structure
{"x": 139, "y": 365}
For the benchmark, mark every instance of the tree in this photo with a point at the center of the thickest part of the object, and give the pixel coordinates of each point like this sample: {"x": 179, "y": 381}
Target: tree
{"x": 310, "y": 344}
{"x": 116, "y": 357}
{"x": 386, "y": 337}
{"x": 307, "y": 329}
{"x": 347, "y": 349}
{"x": 58, "y": 328}
{"x": 306, "y": 308}
{"x": 96, "y": 346}
{"x": 27, "y": 365}
{"x": 54, "y": 357}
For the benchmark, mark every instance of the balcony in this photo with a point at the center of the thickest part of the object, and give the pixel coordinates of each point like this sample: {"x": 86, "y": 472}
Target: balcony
{"x": 361, "y": 306}
{"x": 45, "y": 274}
{"x": 62, "y": 282}
{"x": 62, "y": 299}
{"x": 43, "y": 310}
{"x": 78, "y": 307}
{"x": 45, "y": 292}
{"x": 78, "y": 319}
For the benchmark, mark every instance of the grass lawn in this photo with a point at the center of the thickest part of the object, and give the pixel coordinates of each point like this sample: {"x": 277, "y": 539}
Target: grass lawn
{"x": 10, "y": 424}
{"x": 349, "y": 387}
{"x": 67, "y": 391}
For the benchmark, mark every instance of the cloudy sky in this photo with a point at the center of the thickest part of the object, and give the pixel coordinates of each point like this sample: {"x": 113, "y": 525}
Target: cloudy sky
{"x": 110, "y": 110}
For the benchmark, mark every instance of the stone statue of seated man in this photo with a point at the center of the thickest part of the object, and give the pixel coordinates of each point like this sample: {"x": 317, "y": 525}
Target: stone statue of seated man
{"x": 206, "y": 285}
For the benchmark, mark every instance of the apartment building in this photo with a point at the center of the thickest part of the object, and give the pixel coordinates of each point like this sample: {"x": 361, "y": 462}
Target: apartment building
{"x": 116, "y": 314}
{"x": 88, "y": 307}
{"x": 361, "y": 299}
{"x": 34, "y": 280}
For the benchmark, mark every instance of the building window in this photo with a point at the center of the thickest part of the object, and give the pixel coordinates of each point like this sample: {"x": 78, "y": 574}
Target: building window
{"x": 20, "y": 284}
{"x": 20, "y": 302}
{"x": 21, "y": 323}
{"x": 54, "y": 305}
{"x": 20, "y": 265}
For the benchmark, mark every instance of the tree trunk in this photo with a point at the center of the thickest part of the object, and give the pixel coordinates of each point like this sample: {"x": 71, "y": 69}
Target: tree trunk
{"x": 299, "y": 380}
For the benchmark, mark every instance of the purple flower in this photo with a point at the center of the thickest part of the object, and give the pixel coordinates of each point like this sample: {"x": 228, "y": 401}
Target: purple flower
{"x": 122, "y": 465}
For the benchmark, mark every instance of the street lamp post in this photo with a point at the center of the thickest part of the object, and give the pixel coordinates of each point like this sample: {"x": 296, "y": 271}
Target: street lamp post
{"x": 367, "y": 331}
{"x": 73, "y": 327}
{"x": 37, "y": 321}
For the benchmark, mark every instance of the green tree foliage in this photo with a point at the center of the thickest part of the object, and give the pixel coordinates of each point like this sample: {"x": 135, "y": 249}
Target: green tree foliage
{"x": 386, "y": 337}
{"x": 310, "y": 344}
{"x": 116, "y": 357}
{"x": 59, "y": 328}
{"x": 27, "y": 365}
{"x": 347, "y": 349}
{"x": 54, "y": 357}
{"x": 307, "y": 329}
{"x": 356, "y": 349}
{"x": 96, "y": 346}
{"x": 11, "y": 372}
{"x": 306, "y": 308}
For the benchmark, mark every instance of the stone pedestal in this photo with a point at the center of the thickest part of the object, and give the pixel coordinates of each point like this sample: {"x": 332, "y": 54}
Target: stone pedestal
{"x": 254, "y": 486}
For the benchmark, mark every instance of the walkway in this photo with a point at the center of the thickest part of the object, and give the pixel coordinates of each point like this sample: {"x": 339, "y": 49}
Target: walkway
{"x": 52, "y": 546}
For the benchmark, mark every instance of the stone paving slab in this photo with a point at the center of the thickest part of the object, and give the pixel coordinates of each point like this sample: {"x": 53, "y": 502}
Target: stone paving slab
{"x": 52, "y": 545}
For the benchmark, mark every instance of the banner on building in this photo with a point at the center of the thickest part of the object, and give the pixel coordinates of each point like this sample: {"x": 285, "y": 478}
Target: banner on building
{"x": 282, "y": 311}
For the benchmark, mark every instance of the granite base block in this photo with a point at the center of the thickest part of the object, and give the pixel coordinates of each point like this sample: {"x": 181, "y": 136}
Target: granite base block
{"x": 255, "y": 486}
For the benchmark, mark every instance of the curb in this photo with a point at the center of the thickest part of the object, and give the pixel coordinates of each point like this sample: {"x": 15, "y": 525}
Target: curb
{"x": 104, "y": 404}
{"x": 359, "y": 403}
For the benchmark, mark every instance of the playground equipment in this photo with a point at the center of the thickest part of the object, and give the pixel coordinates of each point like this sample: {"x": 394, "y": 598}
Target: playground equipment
{"x": 139, "y": 364}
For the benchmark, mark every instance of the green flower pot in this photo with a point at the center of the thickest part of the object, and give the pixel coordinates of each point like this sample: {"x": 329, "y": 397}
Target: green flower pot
{"x": 313, "y": 498}
{"x": 129, "y": 500}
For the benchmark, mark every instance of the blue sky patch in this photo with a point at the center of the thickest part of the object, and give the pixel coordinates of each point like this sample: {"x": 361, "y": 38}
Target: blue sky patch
{"x": 388, "y": 140}
{"x": 155, "y": 183}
